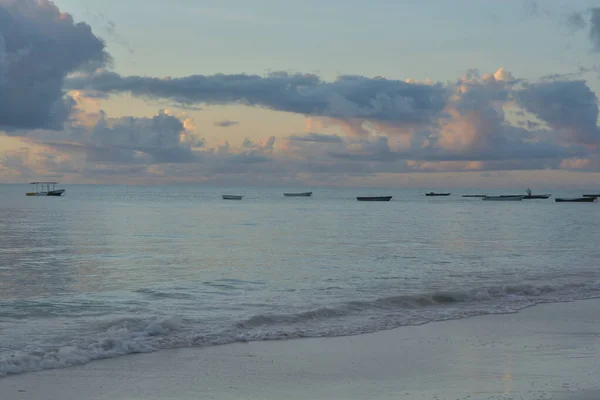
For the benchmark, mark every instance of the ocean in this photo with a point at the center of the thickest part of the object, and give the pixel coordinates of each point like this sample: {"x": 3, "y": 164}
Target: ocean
{"x": 108, "y": 271}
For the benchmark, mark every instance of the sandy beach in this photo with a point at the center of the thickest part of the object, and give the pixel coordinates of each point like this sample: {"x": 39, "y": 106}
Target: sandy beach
{"x": 550, "y": 351}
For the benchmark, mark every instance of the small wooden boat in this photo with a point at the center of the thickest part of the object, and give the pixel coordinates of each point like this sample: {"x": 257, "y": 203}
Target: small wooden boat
{"x": 303, "y": 194}
{"x": 43, "y": 189}
{"x": 536, "y": 196}
{"x": 591, "y": 195}
{"x": 576, "y": 200}
{"x": 474, "y": 195}
{"x": 374, "y": 198}
{"x": 503, "y": 198}
{"x": 437, "y": 194}
{"x": 232, "y": 197}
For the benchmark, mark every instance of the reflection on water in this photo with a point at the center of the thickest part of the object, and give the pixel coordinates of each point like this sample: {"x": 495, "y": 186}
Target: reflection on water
{"x": 35, "y": 253}
{"x": 117, "y": 269}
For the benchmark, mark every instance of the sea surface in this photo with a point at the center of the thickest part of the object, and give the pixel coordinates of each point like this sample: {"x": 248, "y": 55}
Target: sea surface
{"x": 107, "y": 271}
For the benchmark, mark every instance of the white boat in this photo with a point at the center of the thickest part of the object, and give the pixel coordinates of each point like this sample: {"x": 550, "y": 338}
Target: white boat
{"x": 43, "y": 189}
{"x": 503, "y": 198}
{"x": 232, "y": 197}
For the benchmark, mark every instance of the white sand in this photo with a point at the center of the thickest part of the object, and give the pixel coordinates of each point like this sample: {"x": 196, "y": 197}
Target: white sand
{"x": 546, "y": 352}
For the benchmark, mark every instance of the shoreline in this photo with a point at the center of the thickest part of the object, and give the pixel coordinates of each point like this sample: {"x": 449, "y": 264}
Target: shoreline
{"x": 548, "y": 351}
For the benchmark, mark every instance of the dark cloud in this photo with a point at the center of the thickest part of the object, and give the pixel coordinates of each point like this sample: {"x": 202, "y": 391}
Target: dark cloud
{"x": 567, "y": 106}
{"x": 575, "y": 21}
{"x": 315, "y": 138}
{"x": 595, "y": 28}
{"x": 581, "y": 70}
{"x": 376, "y": 99}
{"x": 162, "y": 131}
{"x": 579, "y": 20}
{"x": 162, "y": 138}
{"x": 39, "y": 47}
{"x": 226, "y": 123}
{"x": 379, "y": 150}
{"x": 122, "y": 155}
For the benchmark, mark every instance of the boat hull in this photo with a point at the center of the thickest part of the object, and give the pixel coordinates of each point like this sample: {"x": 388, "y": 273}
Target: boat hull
{"x": 232, "y": 197}
{"x": 474, "y": 195}
{"x": 577, "y": 200}
{"x": 304, "y": 194}
{"x": 537, "y": 196}
{"x": 54, "y": 193}
{"x": 375, "y": 198}
{"x": 503, "y": 198}
{"x": 437, "y": 194}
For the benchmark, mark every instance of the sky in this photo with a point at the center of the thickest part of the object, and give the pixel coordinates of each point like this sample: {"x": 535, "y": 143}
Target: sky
{"x": 401, "y": 93}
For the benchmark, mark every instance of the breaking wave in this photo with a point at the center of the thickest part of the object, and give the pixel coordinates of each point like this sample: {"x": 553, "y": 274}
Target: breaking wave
{"x": 122, "y": 336}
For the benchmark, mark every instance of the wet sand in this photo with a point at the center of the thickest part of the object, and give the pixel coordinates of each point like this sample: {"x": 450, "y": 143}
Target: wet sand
{"x": 545, "y": 352}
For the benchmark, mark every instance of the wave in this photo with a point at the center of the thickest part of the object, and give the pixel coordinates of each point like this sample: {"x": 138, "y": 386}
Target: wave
{"x": 125, "y": 336}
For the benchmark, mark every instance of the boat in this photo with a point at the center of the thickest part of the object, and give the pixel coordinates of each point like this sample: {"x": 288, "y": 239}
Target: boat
{"x": 232, "y": 197}
{"x": 43, "y": 189}
{"x": 374, "y": 198}
{"x": 591, "y": 195}
{"x": 504, "y": 198}
{"x": 303, "y": 194}
{"x": 576, "y": 200}
{"x": 437, "y": 194}
{"x": 536, "y": 196}
{"x": 473, "y": 195}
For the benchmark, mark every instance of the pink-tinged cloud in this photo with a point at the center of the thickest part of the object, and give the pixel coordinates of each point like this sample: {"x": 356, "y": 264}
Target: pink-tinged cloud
{"x": 356, "y": 125}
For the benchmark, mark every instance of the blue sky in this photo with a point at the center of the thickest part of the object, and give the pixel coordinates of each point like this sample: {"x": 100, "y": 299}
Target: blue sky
{"x": 476, "y": 107}
{"x": 396, "y": 39}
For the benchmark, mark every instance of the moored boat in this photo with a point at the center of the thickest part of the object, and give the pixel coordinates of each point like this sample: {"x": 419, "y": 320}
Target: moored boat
{"x": 474, "y": 195}
{"x": 374, "y": 198}
{"x": 437, "y": 194}
{"x": 503, "y": 198}
{"x": 232, "y": 197}
{"x": 576, "y": 200}
{"x": 302, "y": 194}
{"x": 536, "y": 196}
{"x": 43, "y": 189}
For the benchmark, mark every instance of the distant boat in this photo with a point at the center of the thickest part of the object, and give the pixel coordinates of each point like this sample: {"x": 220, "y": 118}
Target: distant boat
{"x": 591, "y": 195}
{"x": 576, "y": 200}
{"x": 43, "y": 189}
{"x": 536, "y": 196}
{"x": 503, "y": 198}
{"x": 473, "y": 195}
{"x": 232, "y": 197}
{"x": 437, "y": 194}
{"x": 303, "y": 194}
{"x": 374, "y": 198}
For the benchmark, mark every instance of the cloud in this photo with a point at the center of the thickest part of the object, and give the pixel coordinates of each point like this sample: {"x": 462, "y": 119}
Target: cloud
{"x": 575, "y": 21}
{"x": 39, "y": 47}
{"x": 226, "y": 123}
{"x": 581, "y": 70}
{"x": 579, "y": 20}
{"x": 595, "y": 28}
{"x": 470, "y": 133}
{"x": 163, "y": 138}
{"x": 570, "y": 107}
{"x": 376, "y": 99}
{"x": 315, "y": 138}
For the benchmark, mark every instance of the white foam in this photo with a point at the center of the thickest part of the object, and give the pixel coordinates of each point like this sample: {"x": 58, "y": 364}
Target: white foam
{"x": 123, "y": 336}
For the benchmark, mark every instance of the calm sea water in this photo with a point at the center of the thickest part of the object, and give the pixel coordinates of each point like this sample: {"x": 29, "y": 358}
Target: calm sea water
{"x": 107, "y": 271}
